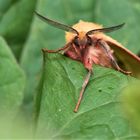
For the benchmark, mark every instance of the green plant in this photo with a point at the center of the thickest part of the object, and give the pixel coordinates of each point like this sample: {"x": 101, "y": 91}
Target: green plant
{"x": 56, "y": 85}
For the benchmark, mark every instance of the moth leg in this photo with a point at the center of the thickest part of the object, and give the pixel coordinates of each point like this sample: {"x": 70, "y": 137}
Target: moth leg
{"x": 78, "y": 52}
{"x": 57, "y": 50}
{"x": 82, "y": 90}
{"x": 105, "y": 46}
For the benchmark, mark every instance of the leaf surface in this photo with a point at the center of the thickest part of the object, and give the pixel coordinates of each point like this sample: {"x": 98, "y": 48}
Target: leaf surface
{"x": 99, "y": 116}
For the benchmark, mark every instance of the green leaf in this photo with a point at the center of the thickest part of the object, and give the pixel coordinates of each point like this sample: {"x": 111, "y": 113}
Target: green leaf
{"x": 99, "y": 116}
{"x": 131, "y": 98}
{"x": 15, "y": 23}
{"x": 12, "y": 85}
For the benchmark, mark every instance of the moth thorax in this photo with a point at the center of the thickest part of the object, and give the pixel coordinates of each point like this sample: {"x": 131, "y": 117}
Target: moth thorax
{"x": 82, "y": 35}
{"x": 82, "y": 27}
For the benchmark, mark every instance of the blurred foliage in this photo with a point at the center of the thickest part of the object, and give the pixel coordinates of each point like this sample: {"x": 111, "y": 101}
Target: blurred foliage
{"x": 12, "y": 85}
{"x": 131, "y": 98}
{"x": 26, "y": 35}
{"x": 16, "y": 17}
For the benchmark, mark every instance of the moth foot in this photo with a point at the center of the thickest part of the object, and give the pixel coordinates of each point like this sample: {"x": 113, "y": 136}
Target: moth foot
{"x": 50, "y": 51}
{"x": 125, "y": 72}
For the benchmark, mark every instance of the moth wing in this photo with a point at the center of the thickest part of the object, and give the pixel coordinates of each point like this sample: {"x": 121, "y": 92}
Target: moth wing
{"x": 130, "y": 61}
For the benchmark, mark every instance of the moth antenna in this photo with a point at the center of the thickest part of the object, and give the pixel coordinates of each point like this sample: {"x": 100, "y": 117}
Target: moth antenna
{"x": 57, "y": 24}
{"x": 82, "y": 90}
{"x": 106, "y": 30}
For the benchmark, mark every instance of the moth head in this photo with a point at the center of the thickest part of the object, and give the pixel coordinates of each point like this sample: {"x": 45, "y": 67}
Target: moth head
{"x": 82, "y": 40}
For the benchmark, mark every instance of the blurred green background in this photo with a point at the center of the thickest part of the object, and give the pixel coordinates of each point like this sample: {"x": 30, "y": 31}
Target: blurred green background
{"x": 23, "y": 35}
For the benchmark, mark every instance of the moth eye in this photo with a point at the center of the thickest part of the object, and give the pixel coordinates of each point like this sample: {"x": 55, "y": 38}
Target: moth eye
{"x": 76, "y": 42}
{"x": 89, "y": 41}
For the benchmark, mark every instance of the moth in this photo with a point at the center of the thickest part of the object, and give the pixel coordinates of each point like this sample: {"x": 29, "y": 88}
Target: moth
{"x": 87, "y": 43}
